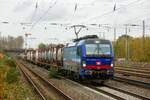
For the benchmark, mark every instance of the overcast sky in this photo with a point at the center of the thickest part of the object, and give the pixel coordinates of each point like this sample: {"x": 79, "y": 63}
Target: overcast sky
{"x": 41, "y": 14}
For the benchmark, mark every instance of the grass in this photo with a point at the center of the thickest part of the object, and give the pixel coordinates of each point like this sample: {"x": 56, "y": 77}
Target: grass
{"x": 12, "y": 86}
{"x": 12, "y": 75}
{"x": 18, "y": 91}
{"x": 10, "y": 62}
{"x": 53, "y": 73}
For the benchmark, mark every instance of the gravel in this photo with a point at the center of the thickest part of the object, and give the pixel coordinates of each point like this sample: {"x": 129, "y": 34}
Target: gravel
{"x": 130, "y": 88}
{"x": 134, "y": 78}
{"x": 79, "y": 92}
{"x": 73, "y": 89}
{"x": 123, "y": 95}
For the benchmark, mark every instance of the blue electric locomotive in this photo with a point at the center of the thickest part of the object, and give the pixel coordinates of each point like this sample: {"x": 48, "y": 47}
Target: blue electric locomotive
{"x": 89, "y": 58}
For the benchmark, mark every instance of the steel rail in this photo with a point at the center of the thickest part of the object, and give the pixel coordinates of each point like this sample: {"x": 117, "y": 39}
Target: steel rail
{"x": 133, "y": 73}
{"x": 134, "y": 70}
{"x": 32, "y": 83}
{"x": 105, "y": 92}
{"x": 127, "y": 92}
{"x": 60, "y": 92}
{"x": 132, "y": 82}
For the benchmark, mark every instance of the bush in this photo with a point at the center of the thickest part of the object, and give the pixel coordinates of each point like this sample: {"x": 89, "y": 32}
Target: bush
{"x": 12, "y": 75}
{"x": 53, "y": 74}
{"x": 10, "y": 62}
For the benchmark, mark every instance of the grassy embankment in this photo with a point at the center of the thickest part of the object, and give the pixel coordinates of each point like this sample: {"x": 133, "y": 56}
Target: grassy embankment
{"x": 12, "y": 85}
{"x": 54, "y": 73}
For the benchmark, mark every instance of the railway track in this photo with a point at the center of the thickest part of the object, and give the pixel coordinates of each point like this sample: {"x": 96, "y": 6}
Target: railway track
{"x": 32, "y": 83}
{"x": 105, "y": 92}
{"x": 133, "y": 73}
{"x": 43, "y": 87}
{"x": 146, "y": 71}
{"x": 132, "y": 82}
{"x": 134, "y": 68}
{"x": 118, "y": 92}
{"x": 111, "y": 94}
{"x": 98, "y": 89}
{"x": 128, "y": 93}
{"x": 134, "y": 65}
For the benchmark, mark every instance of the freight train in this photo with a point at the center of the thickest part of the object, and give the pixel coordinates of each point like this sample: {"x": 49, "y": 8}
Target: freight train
{"x": 85, "y": 58}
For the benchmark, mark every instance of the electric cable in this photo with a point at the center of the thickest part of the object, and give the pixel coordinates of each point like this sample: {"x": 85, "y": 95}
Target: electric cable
{"x": 107, "y": 13}
{"x": 50, "y": 7}
{"x": 35, "y": 11}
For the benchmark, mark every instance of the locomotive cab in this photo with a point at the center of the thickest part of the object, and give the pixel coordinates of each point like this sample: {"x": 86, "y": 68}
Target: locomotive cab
{"x": 97, "y": 59}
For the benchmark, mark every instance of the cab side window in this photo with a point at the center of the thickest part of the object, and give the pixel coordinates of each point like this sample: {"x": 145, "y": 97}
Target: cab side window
{"x": 79, "y": 51}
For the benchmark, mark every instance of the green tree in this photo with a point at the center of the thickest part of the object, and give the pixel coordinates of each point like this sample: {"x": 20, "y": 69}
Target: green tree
{"x": 139, "y": 48}
{"x": 42, "y": 46}
{"x": 120, "y": 46}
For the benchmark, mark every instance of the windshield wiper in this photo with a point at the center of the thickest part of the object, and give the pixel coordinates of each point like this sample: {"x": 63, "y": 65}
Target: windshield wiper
{"x": 95, "y": 50}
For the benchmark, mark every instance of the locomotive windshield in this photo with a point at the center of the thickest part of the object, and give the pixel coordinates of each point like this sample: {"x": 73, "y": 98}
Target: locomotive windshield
{"x": 98, "y": 49}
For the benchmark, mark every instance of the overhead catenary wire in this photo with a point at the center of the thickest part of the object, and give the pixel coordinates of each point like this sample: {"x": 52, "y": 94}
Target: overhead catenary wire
{"x": 139, "y": 17}
{"x": 112, "y": 11}
{"x": 74, "y": 11}
{"x": 115, "y": 4}
{"x": 50, "y": 7}
{"x": 76, "y": 7}
{"x": 136, "y": 16}
{"x": 35, "y": 10}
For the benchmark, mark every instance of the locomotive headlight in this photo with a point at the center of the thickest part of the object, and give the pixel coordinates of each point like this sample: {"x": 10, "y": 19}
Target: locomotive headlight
{"x": 84, "y": 64}
{"x": 112, "y": 65}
